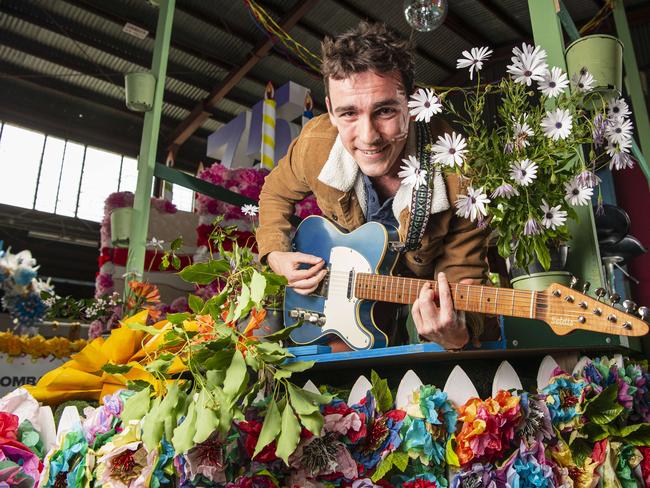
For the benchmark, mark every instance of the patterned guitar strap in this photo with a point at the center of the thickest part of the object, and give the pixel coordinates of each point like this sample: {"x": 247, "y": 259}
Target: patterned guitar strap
{"x": 422, "y": 197}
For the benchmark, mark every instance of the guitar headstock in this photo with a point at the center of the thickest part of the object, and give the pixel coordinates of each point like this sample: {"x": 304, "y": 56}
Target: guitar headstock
{"x": 566, "y": 309}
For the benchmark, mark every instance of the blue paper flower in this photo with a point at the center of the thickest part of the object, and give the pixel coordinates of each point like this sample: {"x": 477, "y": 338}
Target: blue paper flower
{"x": 564, "y": 396}
{"x": 528, "y": 469}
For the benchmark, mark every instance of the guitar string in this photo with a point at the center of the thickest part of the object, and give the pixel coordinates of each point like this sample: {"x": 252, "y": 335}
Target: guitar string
{"x": 521, "y": 298}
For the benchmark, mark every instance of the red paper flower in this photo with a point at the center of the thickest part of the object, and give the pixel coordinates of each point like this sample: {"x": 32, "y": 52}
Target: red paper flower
{"x": 8, "y": 427}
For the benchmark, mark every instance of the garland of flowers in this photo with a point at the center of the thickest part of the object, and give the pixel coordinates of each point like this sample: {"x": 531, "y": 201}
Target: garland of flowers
{"x": 38, "y": 346}
{"x": 581, "y": 430}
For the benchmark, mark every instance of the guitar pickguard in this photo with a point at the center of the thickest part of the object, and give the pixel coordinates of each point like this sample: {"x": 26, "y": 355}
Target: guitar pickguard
{"x": 340, "y": 304}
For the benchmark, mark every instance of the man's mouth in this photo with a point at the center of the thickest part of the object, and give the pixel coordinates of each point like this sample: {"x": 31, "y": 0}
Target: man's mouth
{"x": 370, "y": 152}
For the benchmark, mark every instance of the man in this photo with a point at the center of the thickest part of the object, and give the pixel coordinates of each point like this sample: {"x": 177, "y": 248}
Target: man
{"x": 349, "y": 159}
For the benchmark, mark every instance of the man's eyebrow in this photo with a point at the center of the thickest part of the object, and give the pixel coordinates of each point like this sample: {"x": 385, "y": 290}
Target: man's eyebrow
{"x": 382, "y": 103}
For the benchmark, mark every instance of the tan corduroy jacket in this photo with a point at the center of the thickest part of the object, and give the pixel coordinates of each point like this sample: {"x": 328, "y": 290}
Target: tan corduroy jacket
{"x": 317, "y": 163}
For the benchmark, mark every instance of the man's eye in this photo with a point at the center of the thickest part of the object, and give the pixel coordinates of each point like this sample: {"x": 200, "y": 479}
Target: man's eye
{"x": 347, "y": 114}
{"x": 386, "y": 111}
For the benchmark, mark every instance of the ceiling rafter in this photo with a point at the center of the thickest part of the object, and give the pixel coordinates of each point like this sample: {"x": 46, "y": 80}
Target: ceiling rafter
{"x": 180, "y": 45}
{"x": 61, "y": 58}
{"x": 95, "y": 40}
{"x": 462, "y": 29}
{"x": 505, "y": 18}
{"x": 418, "y": 50}
{"x": 200, "y": 112}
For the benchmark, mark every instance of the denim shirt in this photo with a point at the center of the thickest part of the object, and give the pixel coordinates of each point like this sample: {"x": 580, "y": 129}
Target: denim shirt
{"x": 376, "y": 211}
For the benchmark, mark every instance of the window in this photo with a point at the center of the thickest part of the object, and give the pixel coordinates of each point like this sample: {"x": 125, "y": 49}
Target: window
{"x": 64, "y": 177}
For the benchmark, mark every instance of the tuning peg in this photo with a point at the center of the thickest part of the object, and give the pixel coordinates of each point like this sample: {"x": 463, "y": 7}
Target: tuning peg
{"x": 643, "y": 312}
{"x": 614, "y": 298}
{"x": 573, "y": 283}
{"x": 600, "y": 293}
{"x": 629, "y": 306}
{"x": 585, "y": 287}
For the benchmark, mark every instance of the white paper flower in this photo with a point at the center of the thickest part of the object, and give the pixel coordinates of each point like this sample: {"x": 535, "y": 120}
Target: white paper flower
{"x": 528, "y": 64}
{"x": 411, "y": 173}
{"x": 557, "y": 124}
{"x": 583, "y": 81}
{"x": 576, "y": 194}
{"x": 473, "y": 59}
{"x": 424, "y": 104}
{"x": 250, "y": 210}
{"x": 522, "y": 132}
{"x": 506, "y": 190}
{"x": 472, "y": 205}
{"x": 523, "y": 172}
{"x": 449, "y": 149}
{"x": 156, "y": 243}
{"x": 553, "y": 217}
{"x": 531, "y": 227}
{"x": 619, "y": 130}
{"x": 554, "y": 82}
{"x": 617, "y": 107}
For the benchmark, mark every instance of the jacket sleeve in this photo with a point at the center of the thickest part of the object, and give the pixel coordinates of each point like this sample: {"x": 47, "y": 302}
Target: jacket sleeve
{"x": 283, "y": 187}
{"x": 464, "y": 257}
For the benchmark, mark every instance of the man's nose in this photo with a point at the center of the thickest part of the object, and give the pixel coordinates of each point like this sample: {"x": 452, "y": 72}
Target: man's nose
{"x": 368, "y": 132}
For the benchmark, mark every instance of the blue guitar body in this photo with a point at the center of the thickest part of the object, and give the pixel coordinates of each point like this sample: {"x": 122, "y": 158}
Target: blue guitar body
{"x": 333, "y": 309}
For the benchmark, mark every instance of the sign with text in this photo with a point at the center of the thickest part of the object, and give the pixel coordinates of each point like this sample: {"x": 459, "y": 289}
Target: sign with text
{"x": 20, "y": 371}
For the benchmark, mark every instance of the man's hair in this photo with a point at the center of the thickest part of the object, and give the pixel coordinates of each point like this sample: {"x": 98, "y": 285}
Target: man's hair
{"x": 368, "y": 47}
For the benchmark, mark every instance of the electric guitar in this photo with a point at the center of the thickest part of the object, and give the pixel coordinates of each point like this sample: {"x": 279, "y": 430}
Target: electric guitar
{"x": 359, "y": 264}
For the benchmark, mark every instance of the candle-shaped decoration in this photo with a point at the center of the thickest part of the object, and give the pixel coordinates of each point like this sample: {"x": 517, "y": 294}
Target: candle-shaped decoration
{"x": 309, "y": 107}
{"x": 268, "y": 128}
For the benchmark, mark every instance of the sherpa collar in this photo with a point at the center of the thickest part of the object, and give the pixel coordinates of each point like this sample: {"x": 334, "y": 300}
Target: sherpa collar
{"x": 342, "y": 172}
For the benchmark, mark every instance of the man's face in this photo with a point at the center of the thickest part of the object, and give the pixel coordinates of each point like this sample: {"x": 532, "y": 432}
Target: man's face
{"x": 371, "y": 114}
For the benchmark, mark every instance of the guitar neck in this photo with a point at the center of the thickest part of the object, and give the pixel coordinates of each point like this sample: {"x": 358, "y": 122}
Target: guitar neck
{"x": 470, "y": 298}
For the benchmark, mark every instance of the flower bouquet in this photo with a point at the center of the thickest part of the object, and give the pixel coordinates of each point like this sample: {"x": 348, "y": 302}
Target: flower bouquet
{"x": 525, "y": 171}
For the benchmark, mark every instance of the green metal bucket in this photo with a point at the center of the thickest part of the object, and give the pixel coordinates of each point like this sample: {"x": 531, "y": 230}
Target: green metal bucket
{"x": 140, "y": 88}
{"x": 540, "y": 281}
{"x": 602, "y": 55}
{"x": 121, "y": 226}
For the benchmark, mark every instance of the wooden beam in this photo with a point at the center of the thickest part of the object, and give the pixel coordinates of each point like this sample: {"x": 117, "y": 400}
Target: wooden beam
{"x": 201, "y": 111}
{"x": 463, "y": 30}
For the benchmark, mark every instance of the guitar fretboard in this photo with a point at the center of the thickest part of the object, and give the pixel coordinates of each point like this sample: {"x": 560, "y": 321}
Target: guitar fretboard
{"x": 471, "y": 298}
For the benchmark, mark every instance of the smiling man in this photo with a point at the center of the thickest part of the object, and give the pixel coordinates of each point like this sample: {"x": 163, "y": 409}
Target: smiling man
{"x": 349, "y": 159}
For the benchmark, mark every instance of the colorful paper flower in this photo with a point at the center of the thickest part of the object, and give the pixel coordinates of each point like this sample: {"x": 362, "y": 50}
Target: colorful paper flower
{"x": 124, "y": 461}
{"x": 529, "y": 468}
{"x": 564, "y": 396}
{"x": 67, "y": 464}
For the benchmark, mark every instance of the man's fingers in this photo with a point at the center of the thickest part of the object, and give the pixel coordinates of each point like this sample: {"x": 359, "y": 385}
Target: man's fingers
{"x": 301, "y": 257}
{"x": 306, "y": 286}
{"x": 305, "y": 274}
{"x": 446, "y": 302}
{"x": 428, "y": 308}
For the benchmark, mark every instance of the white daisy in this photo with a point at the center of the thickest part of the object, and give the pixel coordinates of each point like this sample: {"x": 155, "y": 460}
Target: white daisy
{"x": 576, "y": 194}
{"x": 523, "y": 172}
{"x": 472, "y": 205}
{"x": 424, "y": 104}
{"x": 474, "y": 59}
{"x": 450, "y": 149}
{"x": 553, "y": 217}
{"x": 619, "y": 130}
{"x": 411, "y": 173}
{"x": 557, "y": 124}
{"x": 531, "y": 227}
{"x": 554, "y": 82}
{"x": 617, "y": 107}
{"x": 588, "y": 178}
{"x": 621, "y": 160}
{"x": 522, "y": 132}
{"x": 156, "y": 243}
{"x": 583, "y": 81}
{"x": 506, "y": 190}
{"x": 528, "y": 64}
{"x": 250, "y": 210}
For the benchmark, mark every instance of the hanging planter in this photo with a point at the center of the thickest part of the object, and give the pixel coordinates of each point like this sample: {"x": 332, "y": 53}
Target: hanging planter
{"x": 535, "y": 277}
{"x": 602, "y": 55}
{"x": 140, "y": 89}
{"x": 121, "y": 226}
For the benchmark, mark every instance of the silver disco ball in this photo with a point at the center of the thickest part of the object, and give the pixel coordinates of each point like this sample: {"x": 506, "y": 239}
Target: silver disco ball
{"x": 425, "y": 15}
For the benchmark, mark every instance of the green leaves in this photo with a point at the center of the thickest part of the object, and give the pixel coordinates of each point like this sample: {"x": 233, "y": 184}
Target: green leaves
{"x": 289, "y": 435}
{"x": 195, "y": 303}
{"x": 604, "y": 408}
{"x": 136, "y": 406}
{"x": 207, "y": 419}
{"x": 270, "y": 428}
{"x": 183, "y": 436}
{"x": 257, "y": 288}
{"x": 116, "y": 368}
{"x": 236, "y": 375}
{"x": 395, "y": 459}
{"x": 204, "y": 273}
{"x": 381, "y": 392}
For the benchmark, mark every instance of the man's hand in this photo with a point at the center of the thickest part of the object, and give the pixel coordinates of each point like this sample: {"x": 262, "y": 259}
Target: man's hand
{"x": 440, "y": 324}
{"x": 287, "y": 264}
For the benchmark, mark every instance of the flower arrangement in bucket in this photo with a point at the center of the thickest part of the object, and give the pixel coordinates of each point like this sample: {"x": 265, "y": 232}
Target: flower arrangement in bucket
{"x": 526, "y": 172}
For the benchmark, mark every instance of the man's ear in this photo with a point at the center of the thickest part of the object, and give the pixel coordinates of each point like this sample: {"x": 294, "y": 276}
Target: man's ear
{"x": 329, "y": 111}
